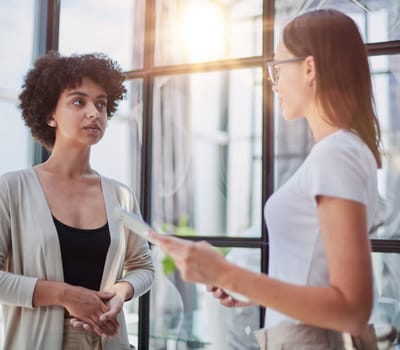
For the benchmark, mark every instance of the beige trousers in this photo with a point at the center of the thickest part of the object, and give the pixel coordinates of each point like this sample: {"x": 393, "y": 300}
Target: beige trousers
{"x": 302, "y": 337}
{"x": 79, "y": 339}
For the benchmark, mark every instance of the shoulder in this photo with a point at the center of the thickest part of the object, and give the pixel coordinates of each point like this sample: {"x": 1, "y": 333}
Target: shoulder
{"x": 338, "y": 141}
{"x": 116, "y": 185}
{"x": 120, "y": 192}
{"x": 16, "y": 176}
{"x": 341, "y": 158}
{"x": 13, "y": 184}
{"x": 341, "y": 148}
{"x": 341, "y": 165}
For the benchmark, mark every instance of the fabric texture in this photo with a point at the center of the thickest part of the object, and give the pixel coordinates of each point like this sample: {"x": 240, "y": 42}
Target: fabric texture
{"x": 79, "y": 339}
{"x": 303, "y": 337}
{"x": 29, "y": 250}
{"x": 340, "y": 165}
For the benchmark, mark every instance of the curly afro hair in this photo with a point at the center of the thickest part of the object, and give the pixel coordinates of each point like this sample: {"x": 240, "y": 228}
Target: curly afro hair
{"x": 52, "y": 74}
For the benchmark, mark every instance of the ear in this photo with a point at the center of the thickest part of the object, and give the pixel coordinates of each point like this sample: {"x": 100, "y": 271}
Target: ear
{"x": 52, "y": 122}
{"x": 310, "y": 70}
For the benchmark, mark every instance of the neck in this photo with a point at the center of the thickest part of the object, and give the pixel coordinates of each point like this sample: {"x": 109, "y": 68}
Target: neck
{"x": 319, "y": 124}
{"x": 321, "y": 129}
{"x": 71, "y": 163}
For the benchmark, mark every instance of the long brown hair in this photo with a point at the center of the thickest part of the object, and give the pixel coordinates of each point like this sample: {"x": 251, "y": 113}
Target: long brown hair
{"x": 343, "y": 78}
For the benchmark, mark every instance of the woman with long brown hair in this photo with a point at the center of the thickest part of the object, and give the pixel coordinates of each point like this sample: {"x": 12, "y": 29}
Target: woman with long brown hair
{"x": 319, "y": 289}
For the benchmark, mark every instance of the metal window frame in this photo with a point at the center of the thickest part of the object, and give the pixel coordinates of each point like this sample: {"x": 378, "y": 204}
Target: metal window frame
{"x": 45, "y": 39}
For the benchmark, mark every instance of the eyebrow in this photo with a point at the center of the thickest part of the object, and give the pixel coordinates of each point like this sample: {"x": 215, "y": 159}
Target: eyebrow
{"x": 79, "y": 93}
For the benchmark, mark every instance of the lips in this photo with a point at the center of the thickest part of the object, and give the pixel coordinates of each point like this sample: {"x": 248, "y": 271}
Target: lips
{"x": 92, "y": 127}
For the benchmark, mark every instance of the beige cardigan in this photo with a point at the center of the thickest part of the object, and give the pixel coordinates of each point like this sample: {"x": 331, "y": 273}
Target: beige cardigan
{"x": 29, "y": 250}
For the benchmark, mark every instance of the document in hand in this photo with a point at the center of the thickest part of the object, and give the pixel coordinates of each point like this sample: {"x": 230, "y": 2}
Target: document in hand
{"x": 133, "y": 222}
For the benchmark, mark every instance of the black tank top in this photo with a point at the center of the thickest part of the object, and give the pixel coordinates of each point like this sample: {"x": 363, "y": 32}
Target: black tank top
{"x": 83, "y": 253}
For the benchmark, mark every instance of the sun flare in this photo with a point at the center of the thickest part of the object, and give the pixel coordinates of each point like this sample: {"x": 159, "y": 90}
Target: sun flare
{"x": 203, "y": 31}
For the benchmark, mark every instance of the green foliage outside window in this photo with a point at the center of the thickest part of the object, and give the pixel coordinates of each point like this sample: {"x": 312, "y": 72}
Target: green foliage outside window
{"x": 184, "y": 230}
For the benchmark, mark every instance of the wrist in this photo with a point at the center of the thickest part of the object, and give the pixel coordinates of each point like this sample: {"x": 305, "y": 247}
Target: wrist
{"x": 49, "y": 293}
{"x": 224, "y": 276}
{"x": 123, "y": 289}
{"x": 63, "y": 293}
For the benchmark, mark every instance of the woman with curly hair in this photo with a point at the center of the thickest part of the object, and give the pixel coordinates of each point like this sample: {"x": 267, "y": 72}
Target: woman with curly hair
{"x": 66, "y": 267}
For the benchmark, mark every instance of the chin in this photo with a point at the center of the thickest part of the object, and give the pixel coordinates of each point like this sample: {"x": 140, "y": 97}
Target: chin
{"x": 291, "y": 116}
{"x": 288, "y": 117}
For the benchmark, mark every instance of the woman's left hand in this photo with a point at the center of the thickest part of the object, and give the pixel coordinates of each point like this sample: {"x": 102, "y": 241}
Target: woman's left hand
{"x": 225, "y": 298}
{"x": 116, "y": 303}
{"x": 197, "y": 261}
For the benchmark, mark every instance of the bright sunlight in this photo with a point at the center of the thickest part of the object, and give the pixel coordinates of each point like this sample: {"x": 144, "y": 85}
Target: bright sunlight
{"x": 203, "y": 31}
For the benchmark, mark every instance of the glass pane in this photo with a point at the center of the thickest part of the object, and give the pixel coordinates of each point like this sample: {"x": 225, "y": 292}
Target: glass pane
{"x": 387, "y": 96}
{"x": 207, "y": 153}
{"x": 16, "y": 21}
{"x": 118, "y": 154}
{"x": 378, "y": 20}
{"x": 204, "y": 30}
{"x": 386, "y": 313}
{"x": 185, "y": 316}
{"x": 88, "y": 26}
{"x": 131, "y": 311}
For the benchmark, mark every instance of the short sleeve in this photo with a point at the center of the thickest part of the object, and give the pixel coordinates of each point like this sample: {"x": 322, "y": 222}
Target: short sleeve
{"x": 338, "y": 172}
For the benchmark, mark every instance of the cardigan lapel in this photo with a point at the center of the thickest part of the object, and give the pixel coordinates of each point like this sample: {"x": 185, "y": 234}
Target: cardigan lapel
{"x": 111, "y": 266}
{"x": 44, "y": 221}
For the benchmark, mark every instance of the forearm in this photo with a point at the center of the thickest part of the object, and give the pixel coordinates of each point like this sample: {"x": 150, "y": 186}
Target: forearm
{"x": 49, "y": 293}
{"x": 141, "y": 279}
{"x": 325, "y": 307}
{"x": 16, "y": 290}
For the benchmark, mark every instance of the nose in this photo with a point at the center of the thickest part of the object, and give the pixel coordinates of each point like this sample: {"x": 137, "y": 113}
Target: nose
{"x": 92, "y": 111}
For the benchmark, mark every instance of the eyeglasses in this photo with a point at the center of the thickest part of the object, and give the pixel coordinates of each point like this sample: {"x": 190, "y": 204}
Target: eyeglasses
{"x": 274, "y": 73}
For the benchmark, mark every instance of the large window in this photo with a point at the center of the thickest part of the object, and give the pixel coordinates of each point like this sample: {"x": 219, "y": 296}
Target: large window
{"x": 206, "y": 163}
{"x": 188, "y": 31}
{"x": 204, "y": 174}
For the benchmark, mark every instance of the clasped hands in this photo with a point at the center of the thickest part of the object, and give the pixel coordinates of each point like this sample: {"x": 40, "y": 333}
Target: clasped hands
{"x": 94, "y": 311}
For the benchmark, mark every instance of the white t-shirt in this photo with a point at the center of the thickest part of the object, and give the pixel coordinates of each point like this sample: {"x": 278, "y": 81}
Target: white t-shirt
{"x": 340, "y": 165}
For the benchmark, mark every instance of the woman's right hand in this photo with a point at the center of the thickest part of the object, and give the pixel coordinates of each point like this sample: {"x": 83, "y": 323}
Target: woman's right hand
{"x": 226, "y": 299}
